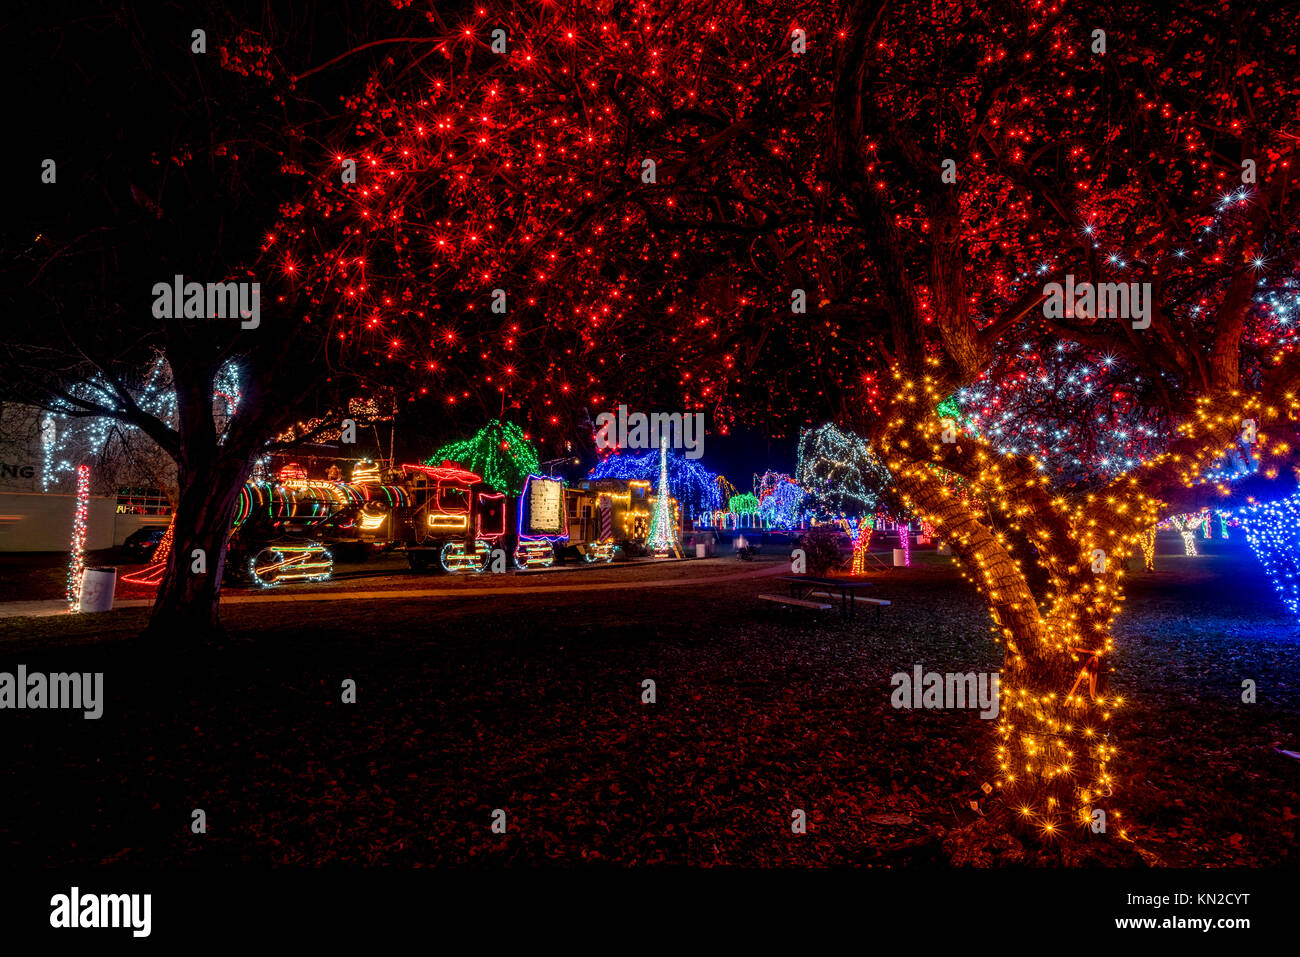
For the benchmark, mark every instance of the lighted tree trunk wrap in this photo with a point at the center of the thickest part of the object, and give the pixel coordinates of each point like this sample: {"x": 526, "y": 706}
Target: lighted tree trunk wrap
{"x": 860, "y": 538}
{"x": 1054, "y": 755}
{"x": 1053, "y": 747}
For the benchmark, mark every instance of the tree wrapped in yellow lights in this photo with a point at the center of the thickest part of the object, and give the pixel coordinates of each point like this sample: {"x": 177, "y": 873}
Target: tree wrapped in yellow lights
{"x": 1055, "y": 749}
{"x": 1149, "y": 548}
{"x": 969, "y": 275}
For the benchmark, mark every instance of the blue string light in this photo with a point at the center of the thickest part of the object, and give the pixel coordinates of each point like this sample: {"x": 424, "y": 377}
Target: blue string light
{"x": 781, "y": 504}
{"x": 1273, "y": 530}
{"x": 694, "y": 486}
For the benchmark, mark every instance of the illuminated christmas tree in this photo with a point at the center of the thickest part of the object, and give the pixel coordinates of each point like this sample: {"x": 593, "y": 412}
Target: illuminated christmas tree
{"x": 663, "y": 531}
{"x": 500, "y": 452}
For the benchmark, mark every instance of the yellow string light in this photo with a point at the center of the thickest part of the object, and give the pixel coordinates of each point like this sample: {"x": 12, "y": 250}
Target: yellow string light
{"x": 1084, "y": 544}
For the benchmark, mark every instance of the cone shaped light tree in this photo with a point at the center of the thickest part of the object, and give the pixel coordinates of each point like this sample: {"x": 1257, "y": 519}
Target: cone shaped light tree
{"x": 663, "y": 530}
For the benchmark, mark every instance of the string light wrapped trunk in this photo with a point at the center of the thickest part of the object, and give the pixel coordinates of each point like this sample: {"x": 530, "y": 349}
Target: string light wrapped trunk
{"x": 1149, "y": 548}
{"x": 1054, "y": 752}
{"x": 1187, "y": 529}
{"x": 859, "y": 532}
{"x": 77, "y": 560}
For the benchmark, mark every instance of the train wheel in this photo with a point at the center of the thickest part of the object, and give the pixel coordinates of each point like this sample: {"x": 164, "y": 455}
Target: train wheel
{"x": 534, "y": 555}
{"x": 418, "y": 561}
{"x": 454, "y": 558}
{"x": 322, "y": 561}
{"x": 311, "y": 562}
{"x": 449, "y": 557}
{"x": 600, "y": 552}
{"x": 263, "y": 568}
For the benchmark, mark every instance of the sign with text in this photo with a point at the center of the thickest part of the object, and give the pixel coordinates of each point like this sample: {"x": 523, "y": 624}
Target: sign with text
{"x": 545, "y": 506}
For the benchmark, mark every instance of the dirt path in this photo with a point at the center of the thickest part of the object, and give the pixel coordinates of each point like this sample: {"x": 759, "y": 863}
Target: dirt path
{"x": 288, "y": 594}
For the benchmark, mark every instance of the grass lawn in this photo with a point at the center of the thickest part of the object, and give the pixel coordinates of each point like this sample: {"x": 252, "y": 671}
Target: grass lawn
{"x": 532, "y": 704}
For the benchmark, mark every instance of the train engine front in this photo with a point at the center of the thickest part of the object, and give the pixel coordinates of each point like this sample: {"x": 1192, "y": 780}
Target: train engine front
{"x": 282, "y": 531}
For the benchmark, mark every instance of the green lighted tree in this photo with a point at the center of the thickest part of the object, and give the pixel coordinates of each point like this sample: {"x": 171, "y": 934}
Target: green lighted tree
{"x": 500, "y": 452}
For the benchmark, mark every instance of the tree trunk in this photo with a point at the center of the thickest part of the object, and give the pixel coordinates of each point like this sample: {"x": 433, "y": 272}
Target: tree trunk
{"x": 1053, "y": 750}
{"x": 187, "y": 605}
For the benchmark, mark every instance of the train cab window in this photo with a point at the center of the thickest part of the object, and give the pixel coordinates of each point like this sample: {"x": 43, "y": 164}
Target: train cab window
{"x": 453, "y": 499}
{"x": 491, "y": 514}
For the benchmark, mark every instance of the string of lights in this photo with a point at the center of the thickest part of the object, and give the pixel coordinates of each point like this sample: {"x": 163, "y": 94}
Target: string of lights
{"x": 77, "y": 558}
{"x": 500, "y": 452}
{"x": 696, "y": 488}
{"x": 840, "y": 471}
{"x": 1273, "y": 531}
{"x": 663, "y": 530}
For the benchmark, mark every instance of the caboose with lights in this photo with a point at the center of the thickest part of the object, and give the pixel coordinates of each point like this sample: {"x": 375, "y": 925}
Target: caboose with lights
{"x": 604, "y": 512}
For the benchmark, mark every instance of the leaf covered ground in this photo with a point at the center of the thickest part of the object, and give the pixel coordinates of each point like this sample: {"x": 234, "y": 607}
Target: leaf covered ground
{"x": 531, "y": 703}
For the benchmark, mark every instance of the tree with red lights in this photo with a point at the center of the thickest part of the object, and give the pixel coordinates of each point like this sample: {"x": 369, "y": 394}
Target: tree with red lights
{"x": 792, "y": 213}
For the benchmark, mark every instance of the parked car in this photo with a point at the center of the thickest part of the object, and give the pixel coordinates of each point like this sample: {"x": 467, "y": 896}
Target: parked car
{"x": 140, "y": 544}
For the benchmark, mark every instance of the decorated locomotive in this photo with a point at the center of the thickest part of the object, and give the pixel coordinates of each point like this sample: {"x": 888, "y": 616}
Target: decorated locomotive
{"x": 443, "y": 515}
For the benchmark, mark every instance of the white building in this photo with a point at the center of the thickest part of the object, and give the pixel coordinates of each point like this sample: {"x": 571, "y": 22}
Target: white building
{"x": 131, "y": 481}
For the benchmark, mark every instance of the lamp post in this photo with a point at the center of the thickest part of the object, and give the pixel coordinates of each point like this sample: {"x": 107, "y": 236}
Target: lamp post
{"x": 550, "y": 464}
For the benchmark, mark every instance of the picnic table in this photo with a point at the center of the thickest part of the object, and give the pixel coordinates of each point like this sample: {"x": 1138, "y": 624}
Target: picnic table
{"x": 803, "y": 587}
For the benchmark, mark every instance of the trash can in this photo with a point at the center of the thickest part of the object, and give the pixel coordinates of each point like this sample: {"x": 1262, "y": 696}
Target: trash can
{"x": 97, "y": 585}
{"x": 900, "y": 557}
{"x": 701, "y": 550}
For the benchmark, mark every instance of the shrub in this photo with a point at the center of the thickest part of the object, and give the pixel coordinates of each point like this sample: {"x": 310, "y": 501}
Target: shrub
{"x": 821, "y": 547}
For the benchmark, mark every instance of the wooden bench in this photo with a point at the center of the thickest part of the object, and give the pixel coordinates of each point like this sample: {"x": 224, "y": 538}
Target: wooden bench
{"x": 878, "y": 602}
{"x": 799, "y": 602}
